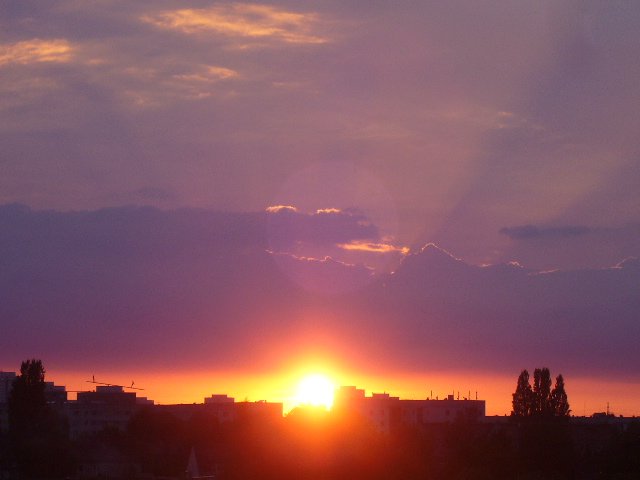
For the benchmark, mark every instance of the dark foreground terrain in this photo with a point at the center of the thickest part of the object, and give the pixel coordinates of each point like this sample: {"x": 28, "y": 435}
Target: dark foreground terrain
{"x": 311, "y": 444}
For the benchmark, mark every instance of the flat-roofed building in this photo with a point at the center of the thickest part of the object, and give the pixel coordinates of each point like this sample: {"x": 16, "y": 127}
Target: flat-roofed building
{"x": 55, "y": 395}
{"x": 417, "y": 412}
{"x": 225, "y": 409}
{"x": 386, "y": 412}
{"x": 6, "y": 385}
{"x": 108, "y": 406}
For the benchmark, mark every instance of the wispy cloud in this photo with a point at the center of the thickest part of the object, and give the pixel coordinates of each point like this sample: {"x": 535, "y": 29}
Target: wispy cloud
{"x": 208, "y": 74}
{"x": 190, "y": 83}
{"x": 243, "y": 21}
{"x": 36, "y": 50}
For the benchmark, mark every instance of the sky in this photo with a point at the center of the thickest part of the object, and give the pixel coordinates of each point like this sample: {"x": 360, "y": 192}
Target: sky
{"x": 412, "y": 196}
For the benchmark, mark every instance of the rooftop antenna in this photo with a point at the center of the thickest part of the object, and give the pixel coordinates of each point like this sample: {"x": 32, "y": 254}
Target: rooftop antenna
{"x": 93, "y": 380}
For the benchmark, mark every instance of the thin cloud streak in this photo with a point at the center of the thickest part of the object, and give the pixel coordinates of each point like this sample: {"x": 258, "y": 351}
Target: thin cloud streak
{"x": 209, "y": 74}
{"x": 243, "y": 21}
{"x": 36, "y": 51}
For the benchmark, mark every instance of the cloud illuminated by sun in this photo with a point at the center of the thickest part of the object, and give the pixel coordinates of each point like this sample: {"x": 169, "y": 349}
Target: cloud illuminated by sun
{"x": 373, "y": 247}
{"x": 281, "y": 208}
{"x": 242, "y": 20}
{"x": 35, "y": 50}
{"x": 321, "y": 211}
{"x": 316, "y": 390}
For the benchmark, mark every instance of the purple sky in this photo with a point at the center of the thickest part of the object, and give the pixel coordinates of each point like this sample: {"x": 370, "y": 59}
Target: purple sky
{"x": 498, "y": 130}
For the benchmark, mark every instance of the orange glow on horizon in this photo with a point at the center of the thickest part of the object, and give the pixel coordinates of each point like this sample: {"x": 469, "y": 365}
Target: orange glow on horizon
{"x": 586, "y": 396}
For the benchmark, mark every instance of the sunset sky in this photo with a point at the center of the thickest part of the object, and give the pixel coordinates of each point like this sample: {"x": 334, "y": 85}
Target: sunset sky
{"x": 410, "y": 196}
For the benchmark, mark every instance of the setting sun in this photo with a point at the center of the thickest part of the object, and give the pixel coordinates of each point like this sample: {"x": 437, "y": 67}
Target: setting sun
{"x": 315, "y": 390}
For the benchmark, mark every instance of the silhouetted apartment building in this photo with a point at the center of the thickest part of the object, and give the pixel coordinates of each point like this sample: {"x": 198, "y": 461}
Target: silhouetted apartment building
{"x": 55, "y": 394}
{"x": 260, "y": 410}
{"x": 225, "y": 409}
{"x": 386, "y": 412}
{"x": 108, "y": 407}
{"x": 6, "y": 384}
{"x": 4, "y": 417}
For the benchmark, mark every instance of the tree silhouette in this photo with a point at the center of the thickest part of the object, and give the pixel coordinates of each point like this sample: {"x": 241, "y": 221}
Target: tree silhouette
{"x": 523, "y": 396}
{"x": 27, "y": 403}
{"x": 38, "y": 435}
{"x": 543, "y": 438}
{"x": 559, "y": 401}
{"x": 541, "y": 400}
{"x": 542, "y": 392}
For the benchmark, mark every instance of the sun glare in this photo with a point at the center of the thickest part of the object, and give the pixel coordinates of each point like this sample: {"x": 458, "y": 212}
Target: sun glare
{"x": 315, "y": 390}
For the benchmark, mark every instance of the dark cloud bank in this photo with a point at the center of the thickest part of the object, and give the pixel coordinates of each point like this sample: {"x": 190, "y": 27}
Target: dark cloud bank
{"x": 138, "y": 286}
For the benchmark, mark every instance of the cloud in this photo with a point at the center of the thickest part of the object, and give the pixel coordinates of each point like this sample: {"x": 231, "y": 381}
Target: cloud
{"x": 90, "y": 284}
{"x": 571, "y": 246}
{"x": 287, "y": 226}
{"x": 324, "y": 275}
{"x": 281, "y": 208}
{"x": 36, "y": 51}
{"x": 524, "y": 232}
{"x": 208, "y": 73}
{"x": 580, "y": 319}
{"x": 374, "y": 247}
{"x": 247, "y": 21}
{"x": 153, "y": 85}
{"x": 328, "y": 210}
{"x": 101, "y": 279}
{"x": 631, "y": 262}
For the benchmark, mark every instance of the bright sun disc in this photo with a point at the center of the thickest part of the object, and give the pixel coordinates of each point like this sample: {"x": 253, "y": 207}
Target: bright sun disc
{"x": 315, "y": 390}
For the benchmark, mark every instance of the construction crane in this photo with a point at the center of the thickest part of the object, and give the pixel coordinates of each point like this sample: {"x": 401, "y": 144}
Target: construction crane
{"x": 93, "y": 380}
